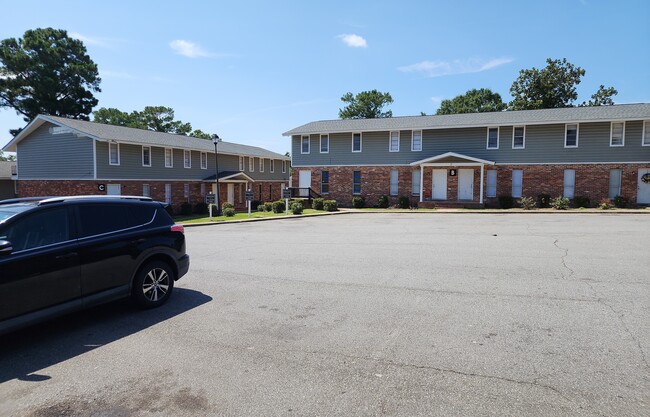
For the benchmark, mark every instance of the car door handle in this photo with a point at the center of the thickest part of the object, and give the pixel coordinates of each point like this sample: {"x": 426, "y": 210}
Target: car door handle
{"x": 67, "y": 255}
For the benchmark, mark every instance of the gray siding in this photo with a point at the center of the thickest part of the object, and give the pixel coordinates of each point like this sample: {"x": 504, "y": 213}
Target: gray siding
{"x": 46, "y": 156}
{"x": 543, "y": 144}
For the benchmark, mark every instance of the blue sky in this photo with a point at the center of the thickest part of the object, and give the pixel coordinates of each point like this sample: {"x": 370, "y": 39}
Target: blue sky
{"x": 250, "y": 70}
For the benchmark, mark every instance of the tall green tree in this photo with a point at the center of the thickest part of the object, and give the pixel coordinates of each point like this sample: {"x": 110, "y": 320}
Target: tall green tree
{"x": 602, "y": 97}
{"x": 113, "y": 116}
{"x": 365, "y": 105}
{"x": 47, "y": 72}
{"x": 473, "y": 101}
{"x": 156, "y": 118}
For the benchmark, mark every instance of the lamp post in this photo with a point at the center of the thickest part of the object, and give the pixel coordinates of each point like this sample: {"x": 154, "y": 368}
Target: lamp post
{"x": 216, "y": 140}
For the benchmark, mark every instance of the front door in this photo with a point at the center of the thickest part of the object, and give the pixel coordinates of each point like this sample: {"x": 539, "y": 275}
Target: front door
{"x": 643, "y": 188}
{"x": 465, "y": 184}
{"x": 439, "y": 185}
{"x": 304, "y": 182}
{"x": 231, "y": 193}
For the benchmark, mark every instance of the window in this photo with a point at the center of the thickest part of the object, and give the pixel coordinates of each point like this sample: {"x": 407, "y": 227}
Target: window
{"x": 356, "y": 182}
{"x": 284, "y": 167}
{"x": 146, "y": 156}
{"x": 492, "y": 183}
{"x": 356, "y": 142}
{"x": 186, "y": 192}
{"x": 614, "y": 183}
{"x": 519, "y": 137}
{"x": 324, "y": 144}
{"x": 394, "y": 182}
{"x": 261, "y": 164}
{"x": 517, "y": 182}
{"x": 272, "y": 165}
{"x": 114, "y": 217}
{"x": 569, "y": 183}
{"x": 617, "y": 135}
{"x": 114, "y": 189}
{"x": 304, "y": 147}
{"x": 113, "y": 153}
{"x": 202, "y": 188}
{"x": 325, "y": 182}
{"x": 146, "y": 190}
{"x": 187, "y": 159}
{"x": 168, "y": 193}
{"x": 393, "y": 145}
{"x": 645, "y": 139}
{"x": 571, "y": 136}
{"x": 241, "y": 163}
{"x": 42, "y": 228}
{"x": 415, "y": 181}
{"x": 251, "y": 164}
{"x": 416, "y": 141}
{"x": 493, "y": 138}
{"x": 204, "y": 160}
{"x": 169, "y": 157}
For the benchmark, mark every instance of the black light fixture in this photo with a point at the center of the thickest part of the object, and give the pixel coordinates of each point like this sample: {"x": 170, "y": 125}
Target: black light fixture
{"x": 216, "y": 140}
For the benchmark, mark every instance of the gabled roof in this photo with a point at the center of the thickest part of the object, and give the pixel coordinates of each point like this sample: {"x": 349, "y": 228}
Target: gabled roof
{"x": 504, "y": 118}
{"x": 131, "y": 135}
{"x": 452, "y": 155}
{"x": 230, "y": 175}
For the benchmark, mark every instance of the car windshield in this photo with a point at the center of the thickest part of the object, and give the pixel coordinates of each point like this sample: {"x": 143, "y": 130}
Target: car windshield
{"x": 10, "y": 210}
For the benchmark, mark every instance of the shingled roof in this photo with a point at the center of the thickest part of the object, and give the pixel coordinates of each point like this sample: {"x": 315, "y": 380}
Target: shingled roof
{"x": 504, "y": 118}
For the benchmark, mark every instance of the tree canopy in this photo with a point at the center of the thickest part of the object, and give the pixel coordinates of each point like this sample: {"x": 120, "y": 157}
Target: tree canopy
{"x": 156, "y": 118}
{"x": 473, "y": 101}
{"x": 47, "y": 72}
{"x": 365, "y": 105}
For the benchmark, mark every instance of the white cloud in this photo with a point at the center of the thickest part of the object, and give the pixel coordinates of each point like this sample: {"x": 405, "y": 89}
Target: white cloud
{"x": 89, "y": 40}
{"x": 188, "y": 49}
{"x": 457, "y": 66}
{"x": 353, "y": 41}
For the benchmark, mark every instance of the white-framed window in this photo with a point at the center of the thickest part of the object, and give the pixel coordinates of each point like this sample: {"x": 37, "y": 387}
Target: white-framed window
{"x": 168, "y": 193}
{"x": 187, "y": 159}
{"x": 113, "y": 153}
{"x": 114, "y": 189}
{"x": 393, "y": 142}
{"x": 272, "y": 165}
{"x": 569, "y": 183}
{"x": 241, "y": 163}
{"x": 261, "y": 164}
{"x": 415, "y": 182}
{"x": 146, "y": 190}
{"x": 324, "y": 144}
{"x": 356, "y": 142}
{"x": 204, "y": 160}
{"x": 571, "y": 135}
{"x": 304, "y": 145}
{"x": 517, "y": 182}
{"x": 518, "y": 137}
{"x": 251, "y": 164}
{"x": 394, "y": 182}
{"x": 284, "y": 167}
{"x": 614, "y": 182}
{"x": 186, "y": 192}
{"x": 617, "y": 134}
{"x": 169, "y": 157}
{"x": 492, "y": 138}
{"x": 491, "y": 183}
{"x": 356, "y": 182}
{"x": 645, "y": 137}
{"x": 324, "y": 182}
{"x": 146, "y": 156}
{"x": 416, "y": 141}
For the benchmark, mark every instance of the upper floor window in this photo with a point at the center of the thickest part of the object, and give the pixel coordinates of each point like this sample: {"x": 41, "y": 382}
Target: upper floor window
{"x": 617, "y": 135}
{"x": 187, "y": 159}
{"x": 169, "y": 157}
{"x": 571, "y": 136}
{"x": 519, "y": 137}
{"x": 204, "y": 160}
{"x": 284, "y": 167}
{"x": 261, "y": 164}
{"x": 645, "y": 139}
{"x": 241, "y": 163}
{"x": 251, "y": 164}
{"x": 113, "y": 153}
{"x": 146, "y": 156}
{"x": 356, "y": 142}
{"x": 493, "y": 138}
{"x": 324, "y": 144}
{"x": 416, "y": 140}
{"x": 272, "y": 165}
{"x": 393, "y": 145}
{"x": 304, "y": 146}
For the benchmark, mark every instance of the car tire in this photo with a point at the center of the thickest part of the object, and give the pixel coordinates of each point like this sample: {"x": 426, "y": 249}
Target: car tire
{"x": 153, "y": 284}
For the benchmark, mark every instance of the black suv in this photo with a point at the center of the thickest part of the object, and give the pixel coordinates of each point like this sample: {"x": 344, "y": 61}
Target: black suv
{"x": 60, "y": 254}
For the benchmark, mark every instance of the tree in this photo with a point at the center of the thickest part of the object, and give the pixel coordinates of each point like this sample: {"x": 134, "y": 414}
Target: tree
{"x": 552, "y": 87}
{"x": 7, "y": 157}
{"x": 198, "y": 133}
{"x": 156, "y": 118}
{"x": 47, "y": 72}
{"x": 113, "y": 116}
{"x": 365, "y": 105}
{"x": 473, "y": 101}
{"x": 602, "y": 97}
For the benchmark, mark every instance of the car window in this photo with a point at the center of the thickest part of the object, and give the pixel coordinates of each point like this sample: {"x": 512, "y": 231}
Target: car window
{"x": 142, "y": 214}
{"x": 97, "y": 219}
{"x": 39, "y": 229}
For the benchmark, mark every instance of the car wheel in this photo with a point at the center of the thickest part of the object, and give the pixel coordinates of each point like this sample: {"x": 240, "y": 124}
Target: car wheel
{"x": 153, "y": 285}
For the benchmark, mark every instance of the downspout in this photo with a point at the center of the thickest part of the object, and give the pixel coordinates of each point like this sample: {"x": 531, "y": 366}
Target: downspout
{"x": 481, "y": 198}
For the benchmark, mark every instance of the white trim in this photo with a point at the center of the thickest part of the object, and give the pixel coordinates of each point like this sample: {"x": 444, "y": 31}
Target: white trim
{"x": 523, "y": 142}
{"x": 390, "y": 140}
{"x": 481, "y": 185}
{"x": 284, "y": 167}
{"x": 566, "y": 129}
{"x": 272, "y": 166}
{"x": 251, "y": 164}
{"x": 143, "y": 164}
{"x": 206, "y": 160}
{"x": 110, "y": 162}
{"x": 412, "y": 135}
{"x": 302, "y": 138}
{"x": 422, "y": 185}
{"x": 611, "y": 135}
{"x": 452, "y": 155}
{"x": 171, "y": 160}
{"x": 242, "y": 163}
{"x": 487, "y": 143}
{"x": 643, "y": 136}
{"x": 261, "y": 164}
{"x": 187, "y": 162}
{"x": 243, "y": 174}
{"x": 451, "y": 164}
{"x": 94, "y": 159}
{"x": 321, "y": 143}
{"x": 360, "y": 141}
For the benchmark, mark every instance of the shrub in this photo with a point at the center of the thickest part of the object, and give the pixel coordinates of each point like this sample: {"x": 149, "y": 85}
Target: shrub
{"x": 560, "y": 203}
{"x": 527, "y": 203}
{"x": 255, "y": 205}
{"x": 606, "y": 204}
{"x": 278, "y": 206}
{"x": 317, "y": 203}
{"x": 330, "y": 205}
{"x": 268, "y": 206}
{"x": 620, "y": 201}
{"x": 358, "y": 202}
{"x": 544, "y": 201}
{"x": 226, "y": 205}
{"x": 581, "y": 201}
{"x": 404, "y": 202}
{"x": 200, "y": 208}
{"x": 186, "y": 209}
{"x": 506, "y": 201}
{"x": 297, "y": 207}
{"x": 229, "y": 211}
{"x": 383, "y": 201}
{"x": 260, "y": 207}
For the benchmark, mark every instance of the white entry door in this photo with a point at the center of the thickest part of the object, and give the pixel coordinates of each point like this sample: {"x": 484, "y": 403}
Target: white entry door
{"x": 465, "y": 184}
{"x": 231, "y": 193}
{"x": 439, "y": 184}
{"x": 304, "y": 182}
{"x": 643, "y": 188}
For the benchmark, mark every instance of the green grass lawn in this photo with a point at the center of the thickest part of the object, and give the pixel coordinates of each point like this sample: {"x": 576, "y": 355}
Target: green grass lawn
{"x": 202, "y": 218}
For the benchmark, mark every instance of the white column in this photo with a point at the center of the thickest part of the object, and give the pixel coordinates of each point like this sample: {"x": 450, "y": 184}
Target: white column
{"x": 421, "y": 183}
{"x": 481, "y": 198}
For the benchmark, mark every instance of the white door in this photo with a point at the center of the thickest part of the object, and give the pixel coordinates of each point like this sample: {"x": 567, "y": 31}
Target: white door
{"x": 231, "y": 193}
{"x": 643, "y": 189}
{"x": 304, "y": 182}
{"x": 465, "y": 184}
{"x": 439, "y": 184}
{"x": 113, "y": 189}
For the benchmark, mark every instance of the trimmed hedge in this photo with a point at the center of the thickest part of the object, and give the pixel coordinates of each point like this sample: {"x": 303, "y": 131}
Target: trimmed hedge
{"x": 317, "y": 203}
{"x": 229, "y": 212}
{"x": 358, "y": 202}
{"x": 383, "y": 201}
{"x": 330, "y": 205}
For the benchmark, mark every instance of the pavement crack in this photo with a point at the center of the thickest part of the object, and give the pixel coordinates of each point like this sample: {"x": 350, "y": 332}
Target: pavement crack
{"x": 563, "y": 258}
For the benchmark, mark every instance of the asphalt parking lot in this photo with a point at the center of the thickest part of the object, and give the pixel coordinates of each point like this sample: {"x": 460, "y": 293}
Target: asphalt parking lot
{"x": 365, "y": 315}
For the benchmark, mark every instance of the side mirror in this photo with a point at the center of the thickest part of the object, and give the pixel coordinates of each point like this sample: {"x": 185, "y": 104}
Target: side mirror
{"x": 5, "y": 248}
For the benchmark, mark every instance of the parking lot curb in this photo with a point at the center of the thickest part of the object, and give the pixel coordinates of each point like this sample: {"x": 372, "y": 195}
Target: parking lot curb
{"x": 263, "y": 219}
